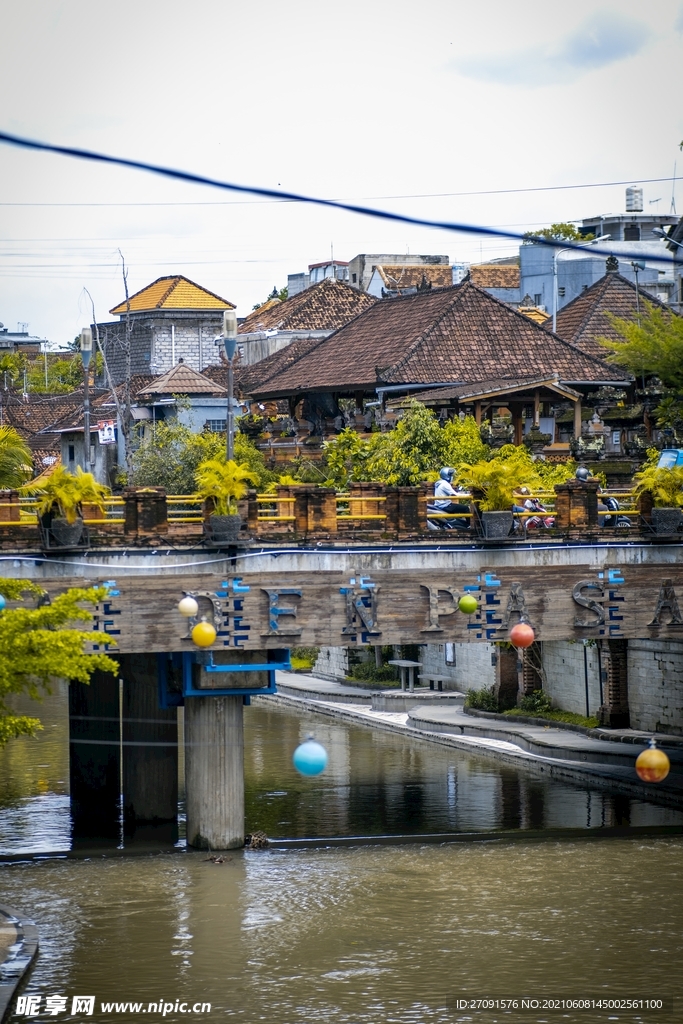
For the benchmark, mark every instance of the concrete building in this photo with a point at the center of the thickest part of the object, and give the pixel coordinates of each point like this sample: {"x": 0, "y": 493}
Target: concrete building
{"x": 171, "y": 319}
{"x": 361, "y": 267}
{"x": 337, "y": 270}
{"x": 20, "y": 341}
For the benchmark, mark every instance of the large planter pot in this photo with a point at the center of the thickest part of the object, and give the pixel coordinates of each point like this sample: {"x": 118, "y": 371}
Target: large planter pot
{"x": 496, "y": 525}
{"x": 224, "y": 529}
{"x": 67, "y": 535}
{"x": 666, "y": 520}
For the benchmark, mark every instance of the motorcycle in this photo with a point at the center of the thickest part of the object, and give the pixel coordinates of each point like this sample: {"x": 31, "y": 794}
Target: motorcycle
{"x": 540, "y": 521}
{"x": 613, "y": 521}
{"x": 440, "y": 522}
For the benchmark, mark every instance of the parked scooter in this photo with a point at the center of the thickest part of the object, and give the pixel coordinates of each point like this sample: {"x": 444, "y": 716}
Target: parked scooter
{"x": 443, "y": 503}
{"x": 610, "y": 504}
{"x": 542, "y": 521}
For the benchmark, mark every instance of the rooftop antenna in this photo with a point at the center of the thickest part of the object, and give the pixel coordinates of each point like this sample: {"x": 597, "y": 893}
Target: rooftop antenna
{"x": 673, "y": 193}
{"x": 653, "y": 201}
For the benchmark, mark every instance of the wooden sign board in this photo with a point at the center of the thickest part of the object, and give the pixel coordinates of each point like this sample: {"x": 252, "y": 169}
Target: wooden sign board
{"x": 315, "y": 609}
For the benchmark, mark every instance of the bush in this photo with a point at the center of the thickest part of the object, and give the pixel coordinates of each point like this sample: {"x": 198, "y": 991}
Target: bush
{"x": 535, "y": 703}
{"x": 303, "y": 658}
{"x": 569, "y": 717}
{"x": 482, "y": 700}
{"x": 367, "y": 670}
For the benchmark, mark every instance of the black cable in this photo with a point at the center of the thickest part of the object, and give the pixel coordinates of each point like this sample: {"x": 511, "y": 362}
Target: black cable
{"x": 365, "y": 211}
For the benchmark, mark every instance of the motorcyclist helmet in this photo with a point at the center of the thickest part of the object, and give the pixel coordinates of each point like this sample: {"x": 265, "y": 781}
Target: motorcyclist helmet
{"x": 447, "y": 474}
{"x": 582, "y": 474}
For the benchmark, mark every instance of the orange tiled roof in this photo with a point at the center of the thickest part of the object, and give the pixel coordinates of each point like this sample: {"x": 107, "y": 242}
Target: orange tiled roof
{"x": 176, "y": 292}
{"x": 495, "y": 275}
{"x": 181, "y": 379}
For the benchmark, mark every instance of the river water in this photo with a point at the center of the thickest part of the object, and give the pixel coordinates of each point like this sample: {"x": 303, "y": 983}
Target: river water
{"x": 368, "y": 934}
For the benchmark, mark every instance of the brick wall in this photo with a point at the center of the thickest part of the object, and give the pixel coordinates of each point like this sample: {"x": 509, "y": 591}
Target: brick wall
{"x": 655, "y": 685}
{"x": 154, "y": 339}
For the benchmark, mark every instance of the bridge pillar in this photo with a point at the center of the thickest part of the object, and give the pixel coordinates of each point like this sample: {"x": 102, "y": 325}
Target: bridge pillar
{"x": 94, "y": 748}
{"x": 214, "y": 772}
{"x": 614, "y": 712}
{"x": 150, "y": 746}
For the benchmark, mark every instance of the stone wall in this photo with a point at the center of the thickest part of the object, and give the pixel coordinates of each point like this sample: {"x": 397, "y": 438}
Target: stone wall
{"x": 332, "y": 663}
{"x": 566, "y": 673}
{"x": 655, "y": 685}
{"x": 473, "y": 668}
{"x": 159, "y": 342}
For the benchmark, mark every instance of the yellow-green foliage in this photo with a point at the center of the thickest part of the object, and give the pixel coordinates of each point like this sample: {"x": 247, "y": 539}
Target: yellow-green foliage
{"x": 497, "y": 480}
{"x": 225, "y": 483}
{"x": 652, "y": 347}
{"x": 16, "y": 462}
{"x": 665, "y": 485}
{"x": 40, "y": 644}
{"x": 68, "y": 491}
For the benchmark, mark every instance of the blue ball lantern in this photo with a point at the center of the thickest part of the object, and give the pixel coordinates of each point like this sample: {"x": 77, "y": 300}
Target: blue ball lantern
{"x": 310, "y": 757}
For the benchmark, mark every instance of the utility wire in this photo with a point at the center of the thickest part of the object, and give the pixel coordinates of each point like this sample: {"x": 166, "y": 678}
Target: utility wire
{"x": 267, "y": 193}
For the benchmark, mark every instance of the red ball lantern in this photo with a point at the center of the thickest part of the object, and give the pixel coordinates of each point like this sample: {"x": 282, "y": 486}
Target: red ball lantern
{"x": 652, "y": 765}
{"x": 522, "y": 635}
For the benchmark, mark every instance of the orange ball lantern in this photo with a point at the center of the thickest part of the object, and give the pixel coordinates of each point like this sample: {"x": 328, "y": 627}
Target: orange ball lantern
{"x": 203, "y": 634}
{"x": 652, "y": 765}
{"x": 522, "y": 635}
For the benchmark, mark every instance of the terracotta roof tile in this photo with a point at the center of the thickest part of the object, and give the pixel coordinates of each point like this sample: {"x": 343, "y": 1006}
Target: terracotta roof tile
{"x": 181, "y": 379}
{"x": 323, "y": 307}
{"x": 457, "y": 335}
{"x": 175, "y": 292}
{"x": 583, "y": 320}
{"x": 495, "y": 275}
{"x": 397, "y": 278}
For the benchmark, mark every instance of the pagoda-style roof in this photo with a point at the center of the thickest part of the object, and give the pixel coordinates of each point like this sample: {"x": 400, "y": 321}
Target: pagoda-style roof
{"x": 585, "y": 319}
{"x": 168, "y": 293}
{"x": 323, "y": 307}
{"x": 181, "y": 379}
{"x": 445, "y": 336}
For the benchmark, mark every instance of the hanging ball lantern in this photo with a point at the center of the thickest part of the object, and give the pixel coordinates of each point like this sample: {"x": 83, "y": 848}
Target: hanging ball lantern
{"x": 652, "y": 765}
{"x": 2, "y": 603}
{"x": 203, "y": 634}
{"x": 468, "y": 604}
{"x": 310, "y": 757}
{"x": 188, "y": 607}
{"x": 522, "y": 635}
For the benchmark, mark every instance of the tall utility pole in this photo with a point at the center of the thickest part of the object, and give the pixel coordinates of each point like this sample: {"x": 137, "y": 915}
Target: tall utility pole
{"x": 86, "y": 353}
{"x": 230, "y": 343}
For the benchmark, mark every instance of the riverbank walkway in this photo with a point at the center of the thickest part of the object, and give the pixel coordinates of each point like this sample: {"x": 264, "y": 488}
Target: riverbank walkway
{"x": 599, "y": 757}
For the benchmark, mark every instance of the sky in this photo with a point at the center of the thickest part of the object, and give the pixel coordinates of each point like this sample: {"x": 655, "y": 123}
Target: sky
{"x": 405, "y": 107}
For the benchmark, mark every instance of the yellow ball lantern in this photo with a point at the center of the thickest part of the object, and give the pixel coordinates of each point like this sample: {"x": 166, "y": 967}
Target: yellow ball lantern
{"x": 203, "y": 634}
{"x": 652, "y": 765}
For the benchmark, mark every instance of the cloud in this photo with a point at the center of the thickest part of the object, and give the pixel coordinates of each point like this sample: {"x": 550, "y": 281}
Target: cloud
{"x": 602, "y": 39}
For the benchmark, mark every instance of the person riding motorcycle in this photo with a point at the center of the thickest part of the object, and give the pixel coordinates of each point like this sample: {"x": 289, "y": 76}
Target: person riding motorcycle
{"x": 443, "y": 492}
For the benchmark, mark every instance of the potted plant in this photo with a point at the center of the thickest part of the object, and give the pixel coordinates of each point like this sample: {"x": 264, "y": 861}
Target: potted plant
{"x": 221, "y": 484}
{"x": 492, "y": 484}
{"x": 60, "y": 500}
{"x": 666, "y": 487}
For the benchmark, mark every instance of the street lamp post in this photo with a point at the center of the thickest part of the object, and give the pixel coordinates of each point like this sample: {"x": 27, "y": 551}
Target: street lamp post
{"x": 86, "y": 354}
{"x": 558, "y": 252}
{"x": 230, "y": 343}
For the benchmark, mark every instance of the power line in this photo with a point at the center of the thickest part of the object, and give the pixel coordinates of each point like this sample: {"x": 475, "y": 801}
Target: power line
{"x": 417, "y": 195}
{"x": 267, "y": 193}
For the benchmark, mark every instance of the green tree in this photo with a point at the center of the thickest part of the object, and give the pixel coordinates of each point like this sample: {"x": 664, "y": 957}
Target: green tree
{"x": 64, "y": 374}
{"x": 282, "y": 294}
{"x": 11, "y": 366}
{"x": 563, "y": 231}
{"x": 652, "y": 346}
{"x": 462, "y": 442}
{"x": 171, "y": 456}
{"x": 41, "y": 644}
{"x": 16, "y": 461}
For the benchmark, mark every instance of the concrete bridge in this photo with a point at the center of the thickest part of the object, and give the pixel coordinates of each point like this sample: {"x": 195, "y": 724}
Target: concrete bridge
{"x": 263, "y": 601}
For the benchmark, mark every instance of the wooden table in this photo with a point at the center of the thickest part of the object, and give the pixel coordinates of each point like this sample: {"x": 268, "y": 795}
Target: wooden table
{"x": 406, "y": 668}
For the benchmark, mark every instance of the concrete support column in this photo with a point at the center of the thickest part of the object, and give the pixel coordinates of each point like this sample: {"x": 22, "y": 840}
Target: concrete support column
{"x": 214, "y": 772}
{"x": 150, "y": 746}
{"x": 94, "y": 749}
{"x": 614, "y": 712}
{"x": 577, "y": 418}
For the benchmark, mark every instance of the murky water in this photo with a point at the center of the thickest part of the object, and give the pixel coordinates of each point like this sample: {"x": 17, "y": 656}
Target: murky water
{"x": 363, "y": 935}
{"x": 376, "y": 783}
{"x": 348, "y": 936}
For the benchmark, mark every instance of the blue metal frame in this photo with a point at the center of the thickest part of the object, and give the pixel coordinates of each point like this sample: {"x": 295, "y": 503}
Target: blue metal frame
{"x": 277, "y": 659}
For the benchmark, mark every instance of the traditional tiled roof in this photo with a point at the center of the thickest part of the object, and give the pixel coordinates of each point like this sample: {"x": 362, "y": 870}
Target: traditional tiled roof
{"x": 449, "y": 335}
{"x": 491, "y": 388}
{"x": 397, "y": 278}
{"x": 583, "y": 320}
{"x": 323, "y": 307}
{"x": 533, "y": 313}
{"x": 175, "y": 292}
{"x": 181, "y": 379}
{"x": 33, "y": 413}
{"x": 494, "y": 275}
{"x": 254, "y": 376}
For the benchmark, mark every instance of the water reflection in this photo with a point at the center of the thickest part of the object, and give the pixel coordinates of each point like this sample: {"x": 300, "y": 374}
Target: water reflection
{"x": 377, "y": 783}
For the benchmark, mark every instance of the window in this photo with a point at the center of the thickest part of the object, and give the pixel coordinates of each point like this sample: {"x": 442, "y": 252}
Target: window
{"x": 353, "y": 278}
{"x": 537, "y": 298}
{"x": 450, "y": 654}
{"x": 72, "y": 453}
{"x": 216, "y": 426}
{"x": 616, "y": 438}
{"x": 631, "y": 232}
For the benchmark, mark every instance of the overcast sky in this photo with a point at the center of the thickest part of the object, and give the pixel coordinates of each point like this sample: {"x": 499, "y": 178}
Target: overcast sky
{"x": 392, "y": 103}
